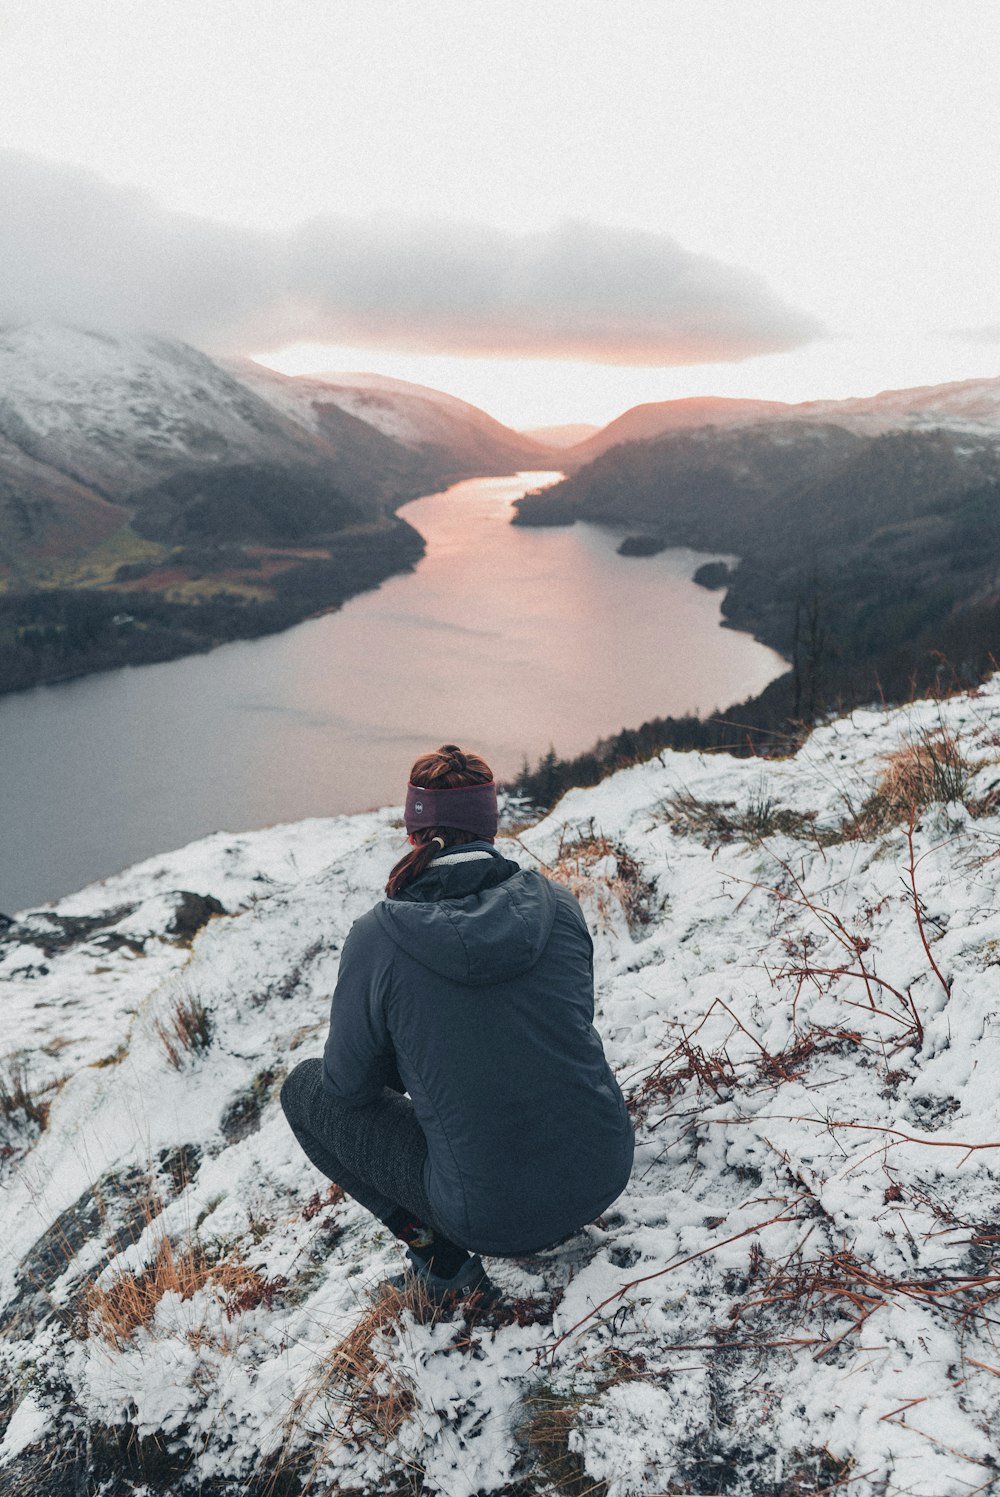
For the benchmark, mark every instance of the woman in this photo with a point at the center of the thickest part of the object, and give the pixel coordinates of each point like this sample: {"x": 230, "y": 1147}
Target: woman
{"x": 470, "y": 987}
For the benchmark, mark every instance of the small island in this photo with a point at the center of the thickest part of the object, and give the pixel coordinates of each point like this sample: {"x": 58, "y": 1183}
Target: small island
{"x": 642, "y": 545}
{"x": 714, "y": 575}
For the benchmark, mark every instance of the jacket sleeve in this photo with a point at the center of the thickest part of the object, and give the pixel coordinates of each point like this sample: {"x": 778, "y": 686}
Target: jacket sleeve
{"x": 359, "y": 1059}
{"x": 569, "y": 900}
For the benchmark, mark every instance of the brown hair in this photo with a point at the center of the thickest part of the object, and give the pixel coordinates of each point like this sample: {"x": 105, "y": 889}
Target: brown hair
{"x": 445, "y": 769}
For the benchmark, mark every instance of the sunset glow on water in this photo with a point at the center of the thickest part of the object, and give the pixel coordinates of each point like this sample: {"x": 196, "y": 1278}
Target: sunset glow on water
{"x": 507, "y": 639}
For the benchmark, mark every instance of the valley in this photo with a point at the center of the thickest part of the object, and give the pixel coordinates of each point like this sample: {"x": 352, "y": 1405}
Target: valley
{"x": 869, "y": 544}
{"x": 155, "y": 502}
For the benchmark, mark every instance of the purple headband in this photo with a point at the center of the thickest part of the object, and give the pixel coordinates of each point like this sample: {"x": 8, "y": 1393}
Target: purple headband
{"x": 468, "y": 808}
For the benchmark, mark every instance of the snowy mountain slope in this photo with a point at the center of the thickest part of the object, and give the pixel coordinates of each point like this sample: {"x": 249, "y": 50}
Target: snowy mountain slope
{"x": 46, "y": 514}
{"x": 118, "y": 411}
{"x": 963, "y": 406}
{"x": 140, "y": 479}
{"x": 459, "y": 437}
{"x": 89, "y": 420}
{"x": 800, "y": 993}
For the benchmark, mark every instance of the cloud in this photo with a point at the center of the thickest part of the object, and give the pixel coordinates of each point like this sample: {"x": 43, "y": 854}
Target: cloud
{"x": 76, "y": 248}
{"x": 988, "y": 334}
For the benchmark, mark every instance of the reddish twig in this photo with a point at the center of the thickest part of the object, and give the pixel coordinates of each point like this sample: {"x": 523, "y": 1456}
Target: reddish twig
{"x": 550, "y": 1351}
{"x": 912, "y": 870}
{"x": 903, "y": 1408}
{"x": 791, "y": 1117}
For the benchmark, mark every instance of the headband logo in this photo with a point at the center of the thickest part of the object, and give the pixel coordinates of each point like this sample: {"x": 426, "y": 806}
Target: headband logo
{"x": 418, "y": 806}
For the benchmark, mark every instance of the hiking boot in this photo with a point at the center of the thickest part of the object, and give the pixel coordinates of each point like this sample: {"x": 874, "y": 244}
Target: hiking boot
{"x": 470, "y": 1279}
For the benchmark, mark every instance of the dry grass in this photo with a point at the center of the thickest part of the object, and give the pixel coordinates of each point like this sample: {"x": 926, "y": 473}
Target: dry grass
{"x": 930, "y": 770}
{"x": 114, "y": 1312}
{"x": 550, "y": 1419}
{"x": 186, "y": 1031}
{"x": 374, "y": 1399}
{"x": 592, "y": 866}
{"x": 722, "y": 821}
{"x": 20, "y": 1107}
{"x": 356, "y": 1395}
{"x": 359, "y": 1398}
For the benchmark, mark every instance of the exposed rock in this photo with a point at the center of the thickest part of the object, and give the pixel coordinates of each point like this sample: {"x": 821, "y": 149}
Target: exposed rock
{"x": 242, "y": 1116}
{"x": 52, "y": 933}
{"x": 193, "y": 911}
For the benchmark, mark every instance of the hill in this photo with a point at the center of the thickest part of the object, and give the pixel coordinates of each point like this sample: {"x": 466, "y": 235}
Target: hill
{"x": 656, "y": 418}
{"x": 141, "y": 422}
{"x": 154, "y": 502}
{"x": 457, "y": 440}
{"x": 797, "y": 980}
{"x": 860, "y": 555}
{"x": 962, "y": 406}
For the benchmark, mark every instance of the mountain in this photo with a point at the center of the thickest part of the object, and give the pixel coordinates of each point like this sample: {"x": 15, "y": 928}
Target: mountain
{"x": 100, "y": 432}
{"x": 769, "y": 485}
{"x": 456, "y": 439}
{"x": 151, "y": 503}
{"x": 870, "y": 562}
{"x": 706, "y": 486}
{"x": 116, "y": 413}
{"x": 968, "y": 405}
{"x": 797, "y": 978}
{"x": 132, "y": 419}
{"x": 656, "y": 418}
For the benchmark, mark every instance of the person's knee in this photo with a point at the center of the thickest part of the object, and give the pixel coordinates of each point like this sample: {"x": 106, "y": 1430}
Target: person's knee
{"x": 298, "y": 1083}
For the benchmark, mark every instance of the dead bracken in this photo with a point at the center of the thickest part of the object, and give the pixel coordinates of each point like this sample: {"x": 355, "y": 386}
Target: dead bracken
{"x": 799, "y": 1006}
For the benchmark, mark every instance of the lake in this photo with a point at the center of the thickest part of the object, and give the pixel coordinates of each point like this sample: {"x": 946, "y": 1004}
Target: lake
{"x": 504, "y": 639}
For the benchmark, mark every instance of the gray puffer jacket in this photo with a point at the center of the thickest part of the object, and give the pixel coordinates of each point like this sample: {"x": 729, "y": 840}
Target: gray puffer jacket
{"x": 477, "y": 984}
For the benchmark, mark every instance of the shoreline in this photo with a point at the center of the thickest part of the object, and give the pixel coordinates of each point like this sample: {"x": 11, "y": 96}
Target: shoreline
{"x": 167, "y": 631}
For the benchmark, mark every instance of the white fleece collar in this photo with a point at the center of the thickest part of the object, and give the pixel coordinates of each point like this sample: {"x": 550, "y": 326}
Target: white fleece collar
{"x": 460, "y": 857}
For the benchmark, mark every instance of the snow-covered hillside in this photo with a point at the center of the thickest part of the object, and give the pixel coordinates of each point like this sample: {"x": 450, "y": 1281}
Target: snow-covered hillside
{"x": 116, "y": 411}
{"x": 798, "y": 969}
{"x": 969, "y": 406}
{"x": 426, "y": 420}
{"x": 88, "y": 417}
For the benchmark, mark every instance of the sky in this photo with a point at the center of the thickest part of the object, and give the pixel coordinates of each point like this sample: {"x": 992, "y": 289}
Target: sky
{"x": 554, "y": 210}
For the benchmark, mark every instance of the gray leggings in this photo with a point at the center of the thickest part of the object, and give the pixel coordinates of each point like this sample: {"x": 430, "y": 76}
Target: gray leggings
{"x": 375, "y": 1152}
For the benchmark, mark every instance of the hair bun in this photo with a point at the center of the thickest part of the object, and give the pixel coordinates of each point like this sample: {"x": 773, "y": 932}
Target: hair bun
{"x": 455, "y": 754}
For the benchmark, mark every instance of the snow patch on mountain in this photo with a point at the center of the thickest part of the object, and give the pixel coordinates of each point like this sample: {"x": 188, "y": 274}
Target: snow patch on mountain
{"x": 971, "y": 406}
{"x": 115, "y": 411}
{"x": 416, "y": 415}
{"x": 799, "y": 988}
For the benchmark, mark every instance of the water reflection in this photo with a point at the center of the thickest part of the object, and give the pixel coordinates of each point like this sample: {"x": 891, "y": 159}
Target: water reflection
{"x": 508, "y": 639}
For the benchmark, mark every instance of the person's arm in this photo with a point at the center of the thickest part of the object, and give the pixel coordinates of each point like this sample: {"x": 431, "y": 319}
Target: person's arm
{"x": 575, "y": 909}
{"x": 359, "y": 1059}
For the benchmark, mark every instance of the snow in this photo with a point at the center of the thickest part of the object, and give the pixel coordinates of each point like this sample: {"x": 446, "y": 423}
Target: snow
{"x": 793, "y": 1292}
{"x": 971, "y": 405}
{"x": 412, "y": 414}
{"x": 119, "y": 410}
{"x": 27, "y": 1425}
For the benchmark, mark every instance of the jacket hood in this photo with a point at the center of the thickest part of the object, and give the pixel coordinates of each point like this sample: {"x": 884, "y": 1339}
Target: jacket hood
{"x": 472, "y": 917}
